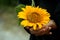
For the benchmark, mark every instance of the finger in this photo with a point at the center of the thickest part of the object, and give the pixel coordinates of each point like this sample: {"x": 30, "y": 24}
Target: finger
{"x": 50, "y": 33}
{"x": 42, "y": 31}
{"x": 28, "y": 27}
{"x": 31, "y": 29}
{"x": 52, "y": 24}
{"x": 45, "y": 30}
{"x": 49, "y": 28}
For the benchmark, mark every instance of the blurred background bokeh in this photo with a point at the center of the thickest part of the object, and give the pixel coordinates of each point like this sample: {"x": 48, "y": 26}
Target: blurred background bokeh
{"x": 9, "y": 28}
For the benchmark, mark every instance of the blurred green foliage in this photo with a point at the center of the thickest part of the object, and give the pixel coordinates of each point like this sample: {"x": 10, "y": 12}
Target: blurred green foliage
{"x": 13, "y": 3}
{"x": 9, "y": 2}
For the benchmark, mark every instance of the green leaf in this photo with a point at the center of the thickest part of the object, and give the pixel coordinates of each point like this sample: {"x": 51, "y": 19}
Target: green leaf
{"x": 19, "y": 21}
{"x": 18, "y": 8}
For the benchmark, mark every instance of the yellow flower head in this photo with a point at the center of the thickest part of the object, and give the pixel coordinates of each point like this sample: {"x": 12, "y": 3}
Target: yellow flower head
{"x": 34, "y": 16}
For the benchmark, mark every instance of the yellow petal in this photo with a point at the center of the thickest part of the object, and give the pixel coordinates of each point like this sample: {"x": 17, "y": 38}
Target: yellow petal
{"x": 28, "y": 7}
{"x": 23, "y": 9}
{"x": 22, "y": 15}
{"x": 34, "y": 27}
{"x": 37, "y": 6}
{"x": 26, "y": 23}
{"x": 44, "y": 22}
{"x": 39, "y": 25}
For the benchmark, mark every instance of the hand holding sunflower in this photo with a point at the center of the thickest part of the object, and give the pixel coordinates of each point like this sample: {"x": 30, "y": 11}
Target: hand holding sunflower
{"x": 45, "y": 30}
{"x": 36, "y": 20}
{"x": 34, "y": 16}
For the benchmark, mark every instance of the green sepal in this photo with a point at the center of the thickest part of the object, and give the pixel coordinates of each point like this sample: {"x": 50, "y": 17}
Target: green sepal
{"x": 18, "y": 8}
{"x": 20, "y": 20}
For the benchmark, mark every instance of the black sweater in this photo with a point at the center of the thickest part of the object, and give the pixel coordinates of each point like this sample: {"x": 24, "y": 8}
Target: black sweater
{"x": 53, "y": 7}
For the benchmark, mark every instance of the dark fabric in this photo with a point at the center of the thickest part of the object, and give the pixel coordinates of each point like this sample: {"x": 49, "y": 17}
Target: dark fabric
{"x": 26, "y": 2}
{"x": 53, "y": 7}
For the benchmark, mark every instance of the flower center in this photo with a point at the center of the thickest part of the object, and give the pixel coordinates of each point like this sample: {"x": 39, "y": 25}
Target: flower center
{"x": 33, "y": 17}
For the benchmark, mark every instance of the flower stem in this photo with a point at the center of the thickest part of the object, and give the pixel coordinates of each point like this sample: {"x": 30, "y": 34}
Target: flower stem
{"x": 33, "y": 3}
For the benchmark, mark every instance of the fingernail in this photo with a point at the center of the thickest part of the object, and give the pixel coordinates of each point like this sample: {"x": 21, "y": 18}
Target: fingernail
{"x": 43, "y": 29}
{"x": 49, "y": 27}
{"x": 31, "y": 29}
{"x": 50, "y": 32}
{"x": 27, "y": 27}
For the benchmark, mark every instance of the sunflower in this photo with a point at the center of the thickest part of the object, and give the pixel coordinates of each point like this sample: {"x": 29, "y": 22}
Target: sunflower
{"x": 34, "y": 16}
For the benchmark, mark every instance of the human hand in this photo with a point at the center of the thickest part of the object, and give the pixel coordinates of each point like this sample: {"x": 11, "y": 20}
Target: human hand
{"x": 39, "y": 32}
{"x": 52, "y": 24}
{"x": 45, "y": 29}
